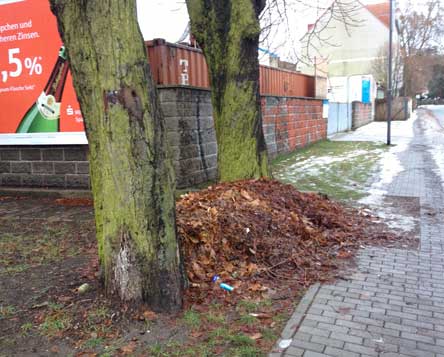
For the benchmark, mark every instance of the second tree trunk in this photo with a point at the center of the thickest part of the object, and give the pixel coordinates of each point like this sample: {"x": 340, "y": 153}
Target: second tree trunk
{"x": 228, "y": 32}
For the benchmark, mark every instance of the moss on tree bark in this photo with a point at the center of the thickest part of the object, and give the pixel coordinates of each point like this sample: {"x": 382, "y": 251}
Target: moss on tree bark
{"x": 131, "y": 173}
{"x": 228, "y": 32}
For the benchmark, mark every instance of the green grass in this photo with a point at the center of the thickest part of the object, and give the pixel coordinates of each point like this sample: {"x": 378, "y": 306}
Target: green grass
{"x": 248, "y": 320}
{"x": 245, "y": 351}
{"x": 96, "y": 321}
{"x": 215, "y": 318}
{"x": 7, "y": 311}
{"x": 26, "y": 328}
{"x": 239, "y": 339}
{"x": 174, "y": 348}
{"x": 192, "y": 319}
{"x": 280, "y": 318}
{"x": 247, "y": 306}
{"x": 268, "y": 334}
{"x": 338, "y": 169}
{"x": 94, "y": 342}
{"x": 54, "y": 324}
{"x": 56, "y": 321}
{"x": 221, "y": 333}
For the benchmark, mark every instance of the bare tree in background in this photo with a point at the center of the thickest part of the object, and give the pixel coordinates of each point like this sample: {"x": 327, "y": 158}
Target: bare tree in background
{"x": 420, "y": 35}
{"x": 308, "y": 49}
{"x": 379, "y": 68}
{"x": 229, "y": 33}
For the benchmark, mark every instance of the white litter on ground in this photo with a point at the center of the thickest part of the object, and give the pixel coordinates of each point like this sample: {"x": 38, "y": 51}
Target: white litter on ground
{"x": 285, "y": 343}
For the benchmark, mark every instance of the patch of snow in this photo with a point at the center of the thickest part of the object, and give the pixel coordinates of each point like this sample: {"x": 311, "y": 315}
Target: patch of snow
{"x": 390, "y": 164}
{"x": 396, "y": 221}
{"x": 401, "y": 132}
{"x": 325, "y": 160}
{"x": 315, "y": 166}
{"x": 390, "y": 167}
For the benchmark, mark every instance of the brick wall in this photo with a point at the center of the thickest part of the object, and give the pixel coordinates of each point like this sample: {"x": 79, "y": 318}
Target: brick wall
{"x": 288, "y": 123}
{"x": 361, "y": 114}
{"x": 291, "y": 123}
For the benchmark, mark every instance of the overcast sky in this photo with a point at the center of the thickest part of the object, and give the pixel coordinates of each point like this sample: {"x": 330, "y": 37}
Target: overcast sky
{"x": 162, "y": 19}
{"x": 168, "y": 18}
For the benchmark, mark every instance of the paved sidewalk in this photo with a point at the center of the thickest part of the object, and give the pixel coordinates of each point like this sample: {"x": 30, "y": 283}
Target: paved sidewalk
{"x": 393, "y": 305}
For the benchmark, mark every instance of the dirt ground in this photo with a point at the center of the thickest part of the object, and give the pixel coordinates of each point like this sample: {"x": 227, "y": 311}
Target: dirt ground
{"x": 48, "y": 250}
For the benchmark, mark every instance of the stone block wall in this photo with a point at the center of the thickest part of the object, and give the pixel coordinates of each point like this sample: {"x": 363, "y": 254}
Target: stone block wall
{"x": 44, "y": 166}
{"x": 290, "y": 123}
{"x": 401, "y": 109}
{"x": 190, "y": 130}
{"x": 361, "y": 114}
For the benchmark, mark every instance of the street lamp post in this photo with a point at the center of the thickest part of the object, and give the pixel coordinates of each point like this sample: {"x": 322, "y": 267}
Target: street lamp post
{"x": 389, "y": 82}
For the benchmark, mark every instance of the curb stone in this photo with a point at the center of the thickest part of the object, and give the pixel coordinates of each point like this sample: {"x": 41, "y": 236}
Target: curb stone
{"x": 296, "y": 319}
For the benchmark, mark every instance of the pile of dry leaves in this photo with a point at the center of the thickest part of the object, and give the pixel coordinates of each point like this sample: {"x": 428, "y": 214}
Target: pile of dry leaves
{"x": 259, "y": 234}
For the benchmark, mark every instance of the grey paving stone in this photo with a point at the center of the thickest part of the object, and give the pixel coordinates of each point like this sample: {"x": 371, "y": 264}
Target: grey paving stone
{"x": 332, "y": 328}
{"x": 346, "y": 338}
{"x": 337, "y": 352}
{"x": 310, "y": 346}
{"x": 393, "y": 303}
{"x": 314, "y": 331}
{"x": 415, "y": 352}
{"x": 368, "y": 321}
{"x": 382, "y": 347}
{"x": 294, "y": 351}
{"x": 416, "y": 337}
{"x": 361, "y": 349}
{"x": 328, "y": 341}
{"x": 430, "y": 347}
{"x": 314, "y": 354}
{"x": 301, "y": 336}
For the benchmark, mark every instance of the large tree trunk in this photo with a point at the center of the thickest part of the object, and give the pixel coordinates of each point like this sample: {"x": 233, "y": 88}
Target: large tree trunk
{"x": 228, "y": 32}
{"x": 131, "y": 174}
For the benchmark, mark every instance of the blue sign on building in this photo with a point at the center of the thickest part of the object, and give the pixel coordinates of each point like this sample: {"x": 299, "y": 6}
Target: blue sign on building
{"x": 365, "y": 90}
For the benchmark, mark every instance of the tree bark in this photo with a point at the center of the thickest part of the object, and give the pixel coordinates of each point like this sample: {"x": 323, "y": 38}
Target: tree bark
{"x": 228, "y": 32}
{"x": 131, "y": 173}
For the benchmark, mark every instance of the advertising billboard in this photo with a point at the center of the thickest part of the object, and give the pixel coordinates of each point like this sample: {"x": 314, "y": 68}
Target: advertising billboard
{"x": 38, "y": 101}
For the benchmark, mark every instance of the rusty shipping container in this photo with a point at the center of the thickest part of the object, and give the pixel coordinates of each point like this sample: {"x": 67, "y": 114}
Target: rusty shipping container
{"x": 282, "y": 82}
{"x": 175, "y": 64}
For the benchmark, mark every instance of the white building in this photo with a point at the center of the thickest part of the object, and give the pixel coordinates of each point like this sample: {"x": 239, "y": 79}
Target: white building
{"x": 349, "y": 51}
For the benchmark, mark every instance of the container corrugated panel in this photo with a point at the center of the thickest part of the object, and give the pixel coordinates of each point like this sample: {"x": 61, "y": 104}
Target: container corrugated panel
{"x": 174, "y": 64}
{"x": 276, "y": 81}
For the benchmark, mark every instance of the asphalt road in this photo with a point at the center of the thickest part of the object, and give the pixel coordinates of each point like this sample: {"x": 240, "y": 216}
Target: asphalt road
{"x": 438, "y": 112}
